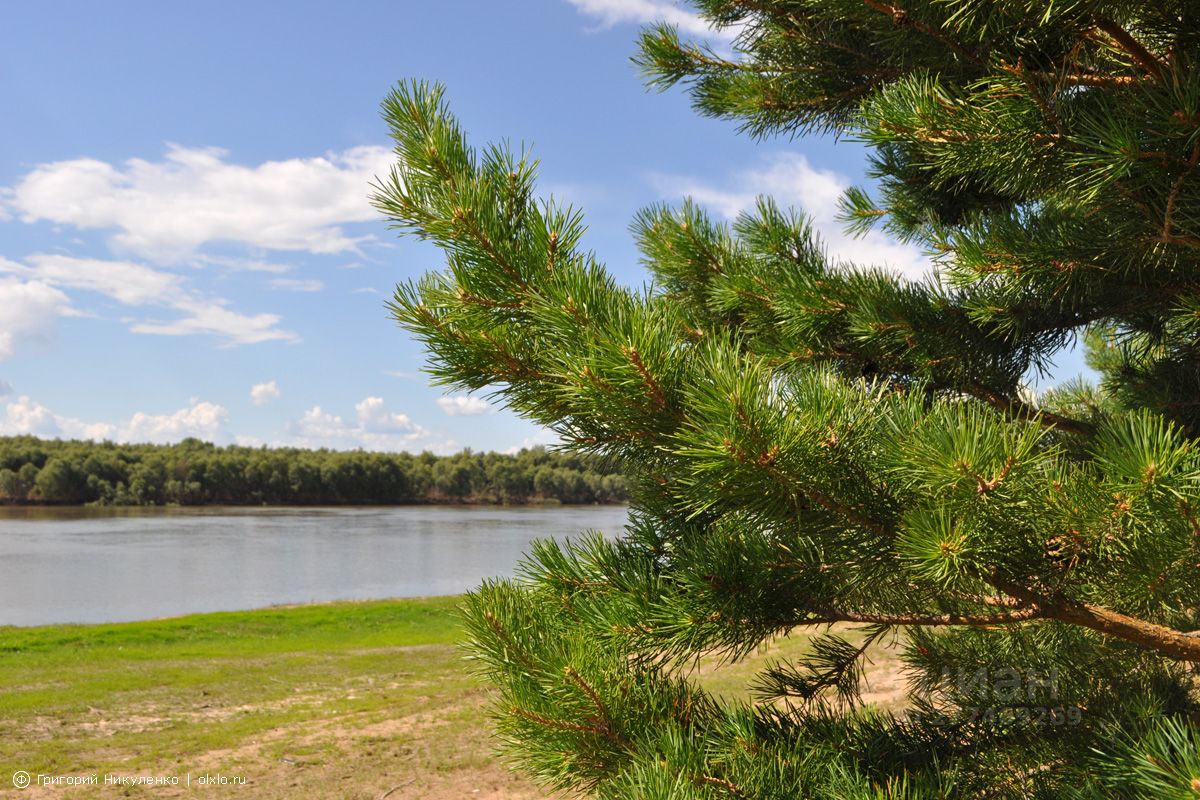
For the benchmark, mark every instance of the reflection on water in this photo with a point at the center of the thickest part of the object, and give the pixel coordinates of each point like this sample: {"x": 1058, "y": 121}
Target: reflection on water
{"x": 108, "y": 565}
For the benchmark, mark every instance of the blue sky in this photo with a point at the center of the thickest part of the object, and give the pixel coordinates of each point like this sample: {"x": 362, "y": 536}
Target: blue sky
{"x": 186, "y": 247}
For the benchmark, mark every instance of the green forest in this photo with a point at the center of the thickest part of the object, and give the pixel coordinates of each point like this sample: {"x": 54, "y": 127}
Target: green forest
{"x": 193, "y": 472}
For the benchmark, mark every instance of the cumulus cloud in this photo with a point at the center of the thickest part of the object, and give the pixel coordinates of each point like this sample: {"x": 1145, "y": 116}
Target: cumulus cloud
{"x": 29, "y": 312}
{"x": 374, "y": 427}
{"x": 169, "y": 208}
{"x": 793, "y": 181}
{"x": 375, "y": 418}
{"x": 614, "y": 12}
{"x": 25, "y": 415}
{"x": 201, "y": 419}
{"x": 463, "y": 405}
{"x": 263, "y": 393}
{"x": 45, "y": 275}
{"x": 123, "y": 281}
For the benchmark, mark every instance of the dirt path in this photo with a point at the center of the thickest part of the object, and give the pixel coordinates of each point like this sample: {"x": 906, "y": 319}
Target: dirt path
{"x": 371, "y": 724}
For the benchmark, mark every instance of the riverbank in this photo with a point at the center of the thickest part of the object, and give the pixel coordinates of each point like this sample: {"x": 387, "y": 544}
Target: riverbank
{"x": 195, "y": 473}
{"x": 343, "y": 700}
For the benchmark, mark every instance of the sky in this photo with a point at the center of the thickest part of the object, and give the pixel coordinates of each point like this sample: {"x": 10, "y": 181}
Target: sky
{"x": 186, "y": 243}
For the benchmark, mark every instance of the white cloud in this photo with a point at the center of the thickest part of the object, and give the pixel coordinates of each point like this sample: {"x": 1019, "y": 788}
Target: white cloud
{"x": 364, "y": 290}
{"x": 29, "y": 311}
{"x": 614, "y": 12}
{"x": 544, "y": 437}
{"x": 25, "y": 415}
{"x": 241, "y": 264}
{"x": 169, "y": 208}
{"x": 5, "y": 388}
{"x": 793, "y": 181}
{"x": 374, "y": 418}
{"x": 201, "y": 419}
{"x": 130, "y": 284}
{"x": 462, "y": 405}
{"x": 211, "y": 317}
{"x": 297, "y": 284}
{"x": 374, "y": 428}
{"x": 263, "y": 393}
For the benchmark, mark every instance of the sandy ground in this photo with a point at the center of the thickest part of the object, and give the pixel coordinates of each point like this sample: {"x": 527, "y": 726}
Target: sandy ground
{"x": 340, "y": 756}
{"x": 440, "y": 750}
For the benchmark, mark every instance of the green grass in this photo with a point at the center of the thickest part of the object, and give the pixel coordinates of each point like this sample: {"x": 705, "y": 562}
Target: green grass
{"x": 166, "y": 692}
{"x": 337, "y": 700}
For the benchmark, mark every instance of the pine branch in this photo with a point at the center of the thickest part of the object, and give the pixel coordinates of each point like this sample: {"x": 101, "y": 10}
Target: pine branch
{"x": 727, "y": 785}
{"x": 902, "y": 19}
{"x": 1144, "y": 58}
{"x": 828, "y": 616}
{"x": 1168, "y": 229}
{"x": 1019, "y": 409}
{"x": 1151, "y": 636}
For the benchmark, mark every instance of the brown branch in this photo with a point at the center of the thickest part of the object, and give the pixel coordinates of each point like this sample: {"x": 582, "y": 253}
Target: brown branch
{"x": 476, "y": 300}
{"x": 1168, "y": 231}
{"x": 513, "y": 647}
{"x": 901, "y": 18}
{"x": 1092, "y": 79}
{"x": 466, "y": 219}
{"x": 842, "y": 510}
{"x": 1167, "y": 642}
{"x": 990, "y": 600}
{"x": 587, "y": 689}
{"x": 727, "y": 785}
{"x": 558, "y": 724}
{"x": 1149, "y": 635}
{"x": 986, "y": 486}
{"x": 1144, "y": 58}
{"x": 656, "y": 393}
{"x": 1021, "y": 410}
{"x": 1186, "y": 241}
{"x": 1023, "y": 614}
{"x": 1035, "y": 92}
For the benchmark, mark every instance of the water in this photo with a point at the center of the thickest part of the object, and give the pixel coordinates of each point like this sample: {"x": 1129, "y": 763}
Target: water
{"x": 98, "y": 565}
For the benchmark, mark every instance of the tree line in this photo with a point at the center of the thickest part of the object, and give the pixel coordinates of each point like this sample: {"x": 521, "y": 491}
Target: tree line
{"x": 193, "y": 472}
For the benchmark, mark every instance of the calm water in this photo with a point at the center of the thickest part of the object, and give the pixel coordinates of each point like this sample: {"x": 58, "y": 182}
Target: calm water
{"x": 82, "y": 565}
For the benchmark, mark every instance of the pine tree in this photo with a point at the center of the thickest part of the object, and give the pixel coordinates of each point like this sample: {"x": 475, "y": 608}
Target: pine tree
{"x": 811, "y": 442}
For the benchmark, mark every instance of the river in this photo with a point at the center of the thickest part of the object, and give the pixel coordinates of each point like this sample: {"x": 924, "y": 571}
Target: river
{"x": 112, "y": 565}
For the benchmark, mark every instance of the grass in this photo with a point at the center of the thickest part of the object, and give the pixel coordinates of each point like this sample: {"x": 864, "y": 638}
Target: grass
{"x": 345, "y": 700}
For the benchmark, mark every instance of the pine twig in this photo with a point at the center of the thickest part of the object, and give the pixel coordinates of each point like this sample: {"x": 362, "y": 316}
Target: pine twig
{"x": 901, "y": 18}
{"x": 1020, "y": 409}
{"x": 1144, "y": 58}
{"x": 396, "y": 788}
{"x": 1023, "y": 614}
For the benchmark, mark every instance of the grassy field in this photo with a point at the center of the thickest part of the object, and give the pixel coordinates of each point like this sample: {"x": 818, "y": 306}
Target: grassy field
{"x": 346, "y": 700}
